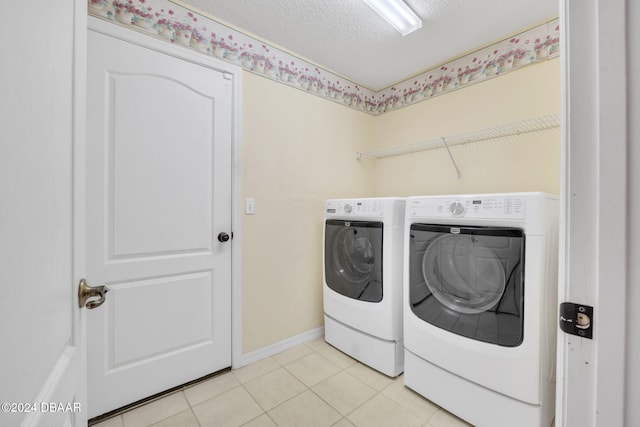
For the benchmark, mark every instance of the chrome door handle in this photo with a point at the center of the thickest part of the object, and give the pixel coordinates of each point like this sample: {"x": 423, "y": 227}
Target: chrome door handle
{"x": 85, "y": 292}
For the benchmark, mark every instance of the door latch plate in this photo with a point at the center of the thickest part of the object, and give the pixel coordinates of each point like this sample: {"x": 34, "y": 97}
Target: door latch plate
{"x": 576, "y": 319}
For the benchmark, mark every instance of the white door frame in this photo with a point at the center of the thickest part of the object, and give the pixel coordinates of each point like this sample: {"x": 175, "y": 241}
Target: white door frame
{"x": 186, "y": 54}
{"x": 79, "y": 190}
{"x": 593, "y": 236}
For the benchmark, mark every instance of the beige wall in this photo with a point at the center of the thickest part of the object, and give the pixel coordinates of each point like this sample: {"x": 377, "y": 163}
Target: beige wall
{"x": 299, "y": 150}
{"x": 515, "y": 164}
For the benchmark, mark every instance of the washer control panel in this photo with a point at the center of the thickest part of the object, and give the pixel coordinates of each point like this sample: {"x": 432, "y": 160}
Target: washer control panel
{"x": 354, "y": 208}
{"x": 469, "y": 207}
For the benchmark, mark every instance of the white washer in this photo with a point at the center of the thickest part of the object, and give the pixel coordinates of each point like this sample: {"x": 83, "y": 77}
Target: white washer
{"x": 480, "y": 285}
{"x": 363, "y": 280}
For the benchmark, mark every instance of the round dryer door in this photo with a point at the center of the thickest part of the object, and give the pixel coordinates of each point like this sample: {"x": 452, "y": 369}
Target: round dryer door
{"x": 469, "y": 280}
{"x": 463, "y": 273}
{"x": 353, "y": 259}
{"x": 353, "y": 255}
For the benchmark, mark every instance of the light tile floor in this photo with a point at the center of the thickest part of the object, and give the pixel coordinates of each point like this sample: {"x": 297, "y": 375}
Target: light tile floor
{"x": 312, "y": 384}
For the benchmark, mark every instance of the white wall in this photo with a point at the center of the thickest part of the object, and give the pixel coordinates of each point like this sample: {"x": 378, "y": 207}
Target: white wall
{"x": 298, "y": 151}
{"x": 526, "y": 163}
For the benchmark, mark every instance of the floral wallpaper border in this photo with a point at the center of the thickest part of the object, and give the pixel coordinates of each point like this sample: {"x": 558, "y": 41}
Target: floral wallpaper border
{"x": 176, "y": 24}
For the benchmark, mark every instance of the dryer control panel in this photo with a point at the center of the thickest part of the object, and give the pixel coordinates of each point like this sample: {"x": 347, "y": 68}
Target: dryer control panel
{"x": 354, "y": 208}
{"x": 469, "y": 207}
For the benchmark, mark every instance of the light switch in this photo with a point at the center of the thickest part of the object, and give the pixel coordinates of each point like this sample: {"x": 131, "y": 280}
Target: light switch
{"x": 250, "y": 206}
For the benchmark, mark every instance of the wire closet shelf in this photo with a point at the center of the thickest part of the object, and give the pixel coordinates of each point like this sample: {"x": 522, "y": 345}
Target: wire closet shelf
{"x": 522, "y": 127}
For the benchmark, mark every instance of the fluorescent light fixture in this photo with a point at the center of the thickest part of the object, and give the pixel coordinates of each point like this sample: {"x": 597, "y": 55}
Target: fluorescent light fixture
{"x": 396, "y": 13}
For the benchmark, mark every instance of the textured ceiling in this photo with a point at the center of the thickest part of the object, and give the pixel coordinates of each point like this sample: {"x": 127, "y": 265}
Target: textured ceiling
{"x": 350, "y": 39}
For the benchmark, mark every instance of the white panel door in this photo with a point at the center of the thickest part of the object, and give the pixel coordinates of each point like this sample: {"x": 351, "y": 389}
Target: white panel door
{"x": 158, "y": 196}
{"x": 42, "y": 347}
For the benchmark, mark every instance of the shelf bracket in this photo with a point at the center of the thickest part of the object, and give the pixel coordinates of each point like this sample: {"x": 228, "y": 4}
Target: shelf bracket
{"x": 444, "y": 141}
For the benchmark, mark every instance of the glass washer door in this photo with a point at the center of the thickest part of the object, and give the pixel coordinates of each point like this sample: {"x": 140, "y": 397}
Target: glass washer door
{"x": 353, "y": 259}
{"x": 469, "y": 280}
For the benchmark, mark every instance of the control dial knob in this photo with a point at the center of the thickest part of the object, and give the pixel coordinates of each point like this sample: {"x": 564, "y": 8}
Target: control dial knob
{"x": 456, "y": 209}
{"x": 348, "y": 208}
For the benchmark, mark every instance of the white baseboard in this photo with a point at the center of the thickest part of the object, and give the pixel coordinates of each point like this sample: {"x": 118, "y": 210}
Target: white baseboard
{"x": 270, "y": 350}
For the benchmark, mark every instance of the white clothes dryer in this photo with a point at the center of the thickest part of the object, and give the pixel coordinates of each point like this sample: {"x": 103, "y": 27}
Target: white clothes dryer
{"x": 362, "y": 288}
{"x": 480, "y": 305}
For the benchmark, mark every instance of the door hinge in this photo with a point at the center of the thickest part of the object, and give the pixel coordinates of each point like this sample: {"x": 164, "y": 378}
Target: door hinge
{"x": 576, "y": 319}
{"x": 227, "y": 76}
